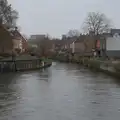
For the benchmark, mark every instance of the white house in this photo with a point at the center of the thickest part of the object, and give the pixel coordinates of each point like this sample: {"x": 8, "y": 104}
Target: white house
{"x": 113, "y": 46}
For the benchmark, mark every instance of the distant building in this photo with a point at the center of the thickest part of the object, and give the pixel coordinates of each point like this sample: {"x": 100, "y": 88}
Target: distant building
{"x": 83, "y": 46}
{"x": 113, "y": 45}
{"x": 110, "y": 44}
{"x": 37, "y": 37}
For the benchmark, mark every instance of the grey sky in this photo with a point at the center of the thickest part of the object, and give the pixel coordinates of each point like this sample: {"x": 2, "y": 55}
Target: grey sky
{"x": 56, "y": 17}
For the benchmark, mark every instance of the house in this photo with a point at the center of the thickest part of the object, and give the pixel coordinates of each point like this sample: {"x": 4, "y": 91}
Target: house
{"x": 77, "y": 46}
{"x": 113, "y": 44}
{"x": 19, "y": 42}
{"x": 35, "y": 40}
{"x": 24, "y": 44}
{"x": 42, "y": 45}
{"x": 108, "y": 44}
{"x": 115, "y": 31}
{"x": 11, "y": 41}
{"x": 83, "y": 45}
{"x": 64, "y": 43}
{"x": 6, "y": 41}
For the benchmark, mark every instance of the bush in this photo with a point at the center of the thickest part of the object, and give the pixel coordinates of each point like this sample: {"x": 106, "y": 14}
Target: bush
{"x": 95, "y": 64}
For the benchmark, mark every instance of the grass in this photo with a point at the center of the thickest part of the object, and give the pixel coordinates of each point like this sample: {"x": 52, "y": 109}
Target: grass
{"x": 46, "y": 59}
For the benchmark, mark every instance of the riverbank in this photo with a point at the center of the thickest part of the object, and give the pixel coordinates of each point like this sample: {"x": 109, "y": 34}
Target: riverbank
{"x": 23, "y": 63}
{"x": 111, "y": 68}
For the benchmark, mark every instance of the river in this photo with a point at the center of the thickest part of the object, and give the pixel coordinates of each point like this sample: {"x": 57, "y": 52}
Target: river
{"x": 61, "y": 92}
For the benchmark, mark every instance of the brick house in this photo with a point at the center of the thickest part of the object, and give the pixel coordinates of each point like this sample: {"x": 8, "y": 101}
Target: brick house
{"x": 83, "y": 45}
{"x": 6, "y": 41}
{"x": 19, "y": 42}
{"x": 10, "y": 41}
{"x": 66, "y": 42}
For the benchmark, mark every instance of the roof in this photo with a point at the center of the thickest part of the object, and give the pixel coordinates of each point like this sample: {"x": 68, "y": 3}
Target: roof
{"x": 5, "y": 29}
{"x": 68, "y": 40}
{"x": 80, "y": 39}
{"x": 17, "y": 34}
{"x": 13, "y": 33}
{"x": 113, "y": 31}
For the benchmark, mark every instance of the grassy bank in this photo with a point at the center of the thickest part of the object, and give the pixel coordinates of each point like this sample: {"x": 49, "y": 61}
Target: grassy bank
{"x": 96, "y": 64}
{"x": 46, "y": 60}
{"x": 112, "y": 69}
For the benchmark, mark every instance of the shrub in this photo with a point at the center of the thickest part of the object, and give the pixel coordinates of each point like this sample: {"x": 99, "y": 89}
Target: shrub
{"x": 95, "y": 64}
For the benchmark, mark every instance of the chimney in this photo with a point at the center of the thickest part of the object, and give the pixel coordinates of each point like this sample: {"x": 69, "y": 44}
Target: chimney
{"x": 16, "y": 28}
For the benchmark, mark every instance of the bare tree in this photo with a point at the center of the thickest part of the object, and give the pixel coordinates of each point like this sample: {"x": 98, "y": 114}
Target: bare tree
{"x": 97, "y": 23}
{"x": 8, "y": 15}
{"x": 73, "y": 33}
{"x": 44, "y": 47}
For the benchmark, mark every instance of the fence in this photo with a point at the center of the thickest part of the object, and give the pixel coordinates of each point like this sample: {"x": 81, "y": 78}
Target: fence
{"x": 20, "y": 65}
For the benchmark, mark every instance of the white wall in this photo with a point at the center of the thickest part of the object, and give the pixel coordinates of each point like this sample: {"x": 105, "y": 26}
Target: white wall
{"x": 17, "y": 44}
{"x": 113, "y": 43}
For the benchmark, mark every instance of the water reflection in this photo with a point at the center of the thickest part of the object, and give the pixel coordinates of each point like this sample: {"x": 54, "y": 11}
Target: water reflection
{"x": 61, "y": 92}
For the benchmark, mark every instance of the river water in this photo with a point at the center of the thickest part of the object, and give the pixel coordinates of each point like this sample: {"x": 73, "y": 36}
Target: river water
{"x": 61, "y": 92}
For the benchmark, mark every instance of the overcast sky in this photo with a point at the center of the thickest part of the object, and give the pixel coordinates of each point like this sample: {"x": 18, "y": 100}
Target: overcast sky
{"x": 56, "y": 17}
